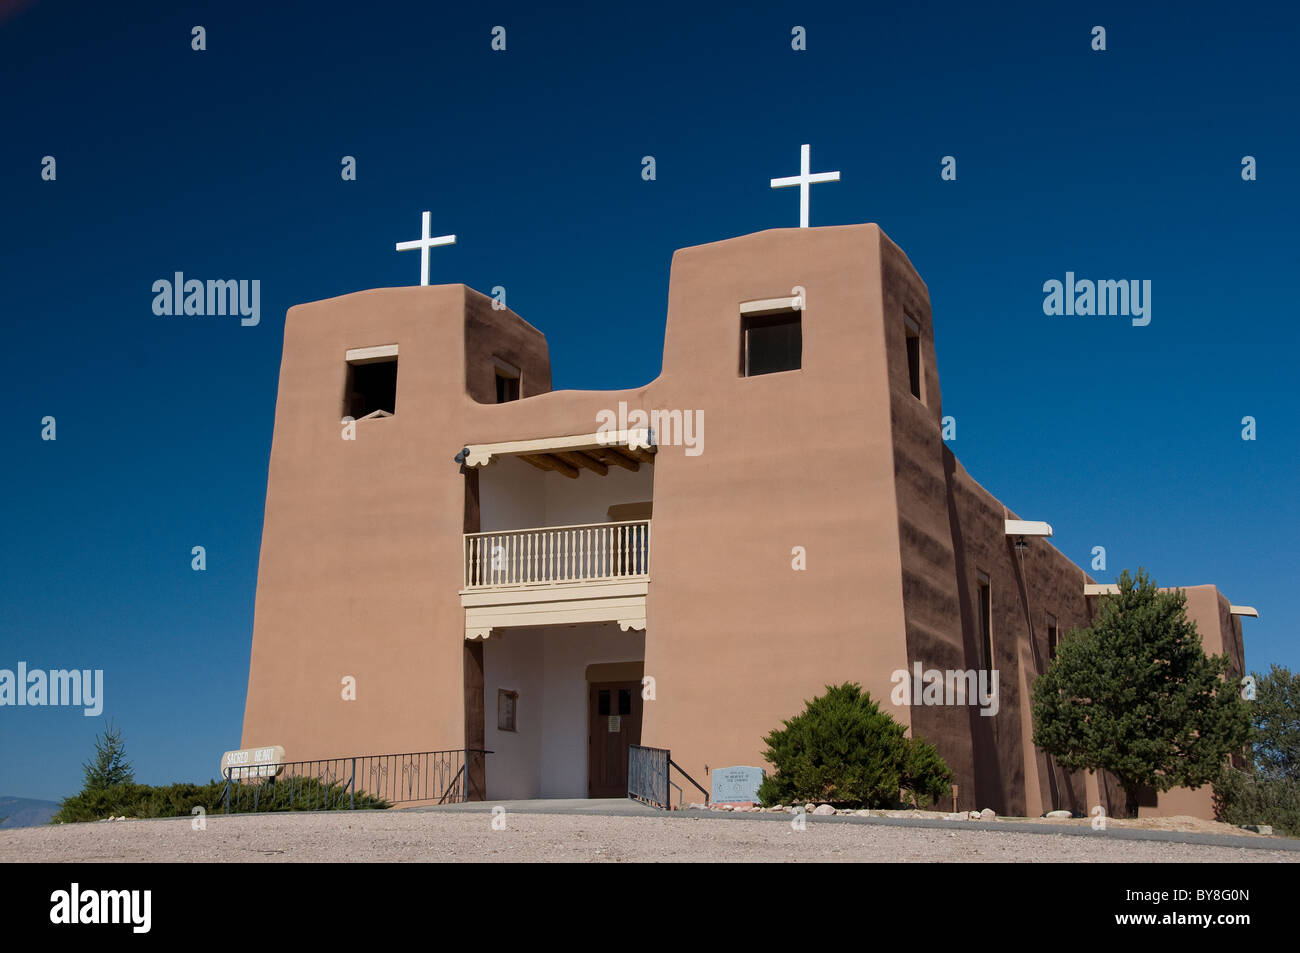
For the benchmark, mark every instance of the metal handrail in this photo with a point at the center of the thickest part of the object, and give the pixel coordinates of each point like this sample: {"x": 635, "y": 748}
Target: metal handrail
{"x": 440, "y": 777}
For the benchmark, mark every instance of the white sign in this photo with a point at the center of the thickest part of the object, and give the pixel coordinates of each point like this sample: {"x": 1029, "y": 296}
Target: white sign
{"x": 253, "y": 762}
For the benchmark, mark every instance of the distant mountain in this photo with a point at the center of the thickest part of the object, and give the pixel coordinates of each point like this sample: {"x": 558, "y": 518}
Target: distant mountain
{"x": 25, "y": 812}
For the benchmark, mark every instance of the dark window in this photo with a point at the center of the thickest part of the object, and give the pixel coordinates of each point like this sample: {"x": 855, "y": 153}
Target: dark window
{"x": 914, "y": 359}
{"x": 371, "y": 387}
{"x": 771, "y": 343}
{"x": 507, "y": 388}
{"x": 1052, "y": 637}
{"x": 507, "y": 707}
{"x": 986, "y": 624}
{"x": 625, "y": 701}
{"x": 602, "y": 702}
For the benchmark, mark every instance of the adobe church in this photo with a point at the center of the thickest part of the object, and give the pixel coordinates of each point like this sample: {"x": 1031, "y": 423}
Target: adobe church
{"x": 497, "y": 567}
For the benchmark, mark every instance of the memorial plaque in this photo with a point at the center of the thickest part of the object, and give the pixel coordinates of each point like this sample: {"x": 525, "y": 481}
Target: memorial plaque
{"x": 253, "y": 762}
{"x": 736, "y": 785}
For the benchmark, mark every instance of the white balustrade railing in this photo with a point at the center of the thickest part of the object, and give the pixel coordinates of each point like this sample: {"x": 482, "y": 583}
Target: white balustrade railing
{"x": 557, "y": 555}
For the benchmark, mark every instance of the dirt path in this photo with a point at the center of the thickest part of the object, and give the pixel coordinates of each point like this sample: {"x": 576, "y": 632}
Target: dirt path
{"x": 470, "y": 836}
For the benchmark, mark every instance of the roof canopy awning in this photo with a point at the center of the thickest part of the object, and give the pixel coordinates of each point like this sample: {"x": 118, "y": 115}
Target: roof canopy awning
{"x": 1027, "y": 528}
{"x": 570, "y": 455}
{"x": 1100, "y": 589}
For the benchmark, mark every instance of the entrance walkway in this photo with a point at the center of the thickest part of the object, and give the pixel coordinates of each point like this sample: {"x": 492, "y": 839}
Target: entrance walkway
{"x": 610, "y": 806}
{"x": 626, "y": 807}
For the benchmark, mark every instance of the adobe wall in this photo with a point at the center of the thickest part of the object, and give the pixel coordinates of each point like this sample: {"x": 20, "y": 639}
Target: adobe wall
{"x": 361, "y": 543}
{"x": 737, "y": 640}
{"x": 1220, "y": 634}
{"x": 932, "y": 604}
{"x": 950, "y": 530}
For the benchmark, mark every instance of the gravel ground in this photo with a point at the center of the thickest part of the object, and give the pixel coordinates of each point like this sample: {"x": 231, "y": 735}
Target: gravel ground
{"x": 469, "y": 836}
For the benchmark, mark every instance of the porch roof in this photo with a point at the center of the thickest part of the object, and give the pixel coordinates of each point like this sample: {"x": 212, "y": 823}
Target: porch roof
{"x": 569, "y": 455}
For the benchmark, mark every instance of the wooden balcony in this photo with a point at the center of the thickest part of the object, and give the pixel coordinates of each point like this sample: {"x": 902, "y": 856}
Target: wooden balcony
{"x": 554, "y": 575}
{"x": 558, "y": 555}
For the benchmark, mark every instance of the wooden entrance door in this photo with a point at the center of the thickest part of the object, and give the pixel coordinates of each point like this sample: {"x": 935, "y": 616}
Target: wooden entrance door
{"x": 613, "y": 725}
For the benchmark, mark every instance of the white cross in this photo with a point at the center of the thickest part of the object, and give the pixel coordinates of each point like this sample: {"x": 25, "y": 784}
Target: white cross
{"x": 424, "y": 243}
{"x": 803, "y": 180}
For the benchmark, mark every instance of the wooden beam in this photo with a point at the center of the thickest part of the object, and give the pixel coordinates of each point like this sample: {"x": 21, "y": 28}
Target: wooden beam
{"x": 534, "y": 461}
{"x": 580, "y": 459}
{"x": 546, "y": 461}
{"x": 610, "y": 455}
{"x": 644, "y": 456}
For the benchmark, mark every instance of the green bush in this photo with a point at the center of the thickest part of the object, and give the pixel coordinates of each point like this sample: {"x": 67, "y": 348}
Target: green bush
{"x": 926, "y": 777}
{"x": 1241, "y": 798}
{"x": 179, "y": 800}
{"x": 844, "y": 751}
{"x": 110, "y": 791}
{"x": 297, "y": 794}
{"x": 1264, "y": 786}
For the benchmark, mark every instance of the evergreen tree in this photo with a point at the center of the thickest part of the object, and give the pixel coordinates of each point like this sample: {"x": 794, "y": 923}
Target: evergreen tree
{"x": 1275, "y": 723}
{"x": 842, "y": 749}
{"x": 1264, "y": 786}
{"x": 1135, "y": 694}
{"x": 109, "y": 767}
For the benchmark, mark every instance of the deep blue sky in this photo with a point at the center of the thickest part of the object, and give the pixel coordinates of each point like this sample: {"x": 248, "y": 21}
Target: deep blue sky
{"x": 225, "y": 163}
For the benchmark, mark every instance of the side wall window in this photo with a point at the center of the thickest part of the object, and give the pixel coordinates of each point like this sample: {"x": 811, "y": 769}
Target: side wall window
{"x": 770, "y": 343}
{"x": 914, "y": 375}
{"x": 370, "y": 386}
{"x": 985, "y": 595}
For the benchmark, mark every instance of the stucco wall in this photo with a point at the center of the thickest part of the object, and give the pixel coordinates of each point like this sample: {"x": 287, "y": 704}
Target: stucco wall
{"x": 514, "y": 661}
{"x": 737, "y": 639}
{"x": 360, "y": 544}
{"x": 1220, "y": 635}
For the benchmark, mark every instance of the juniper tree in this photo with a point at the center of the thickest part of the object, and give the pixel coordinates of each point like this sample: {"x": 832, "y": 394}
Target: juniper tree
{"x": 1264, "y": 786}
{"x": 844, "y": 750}
{"x": 1135, "y": 694}
{"x": 1275, "y": 724}
{"x": 109, "y": 766}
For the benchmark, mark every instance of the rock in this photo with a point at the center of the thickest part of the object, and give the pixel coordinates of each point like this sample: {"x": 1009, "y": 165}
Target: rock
{"x": 973, "y": 815}
{"x": 809, "y": 807}
{"x": 823, "y": 810}
{"x": 988, "y": 814}
{"x": 1259, "y": 828}
{"x": 777, "y": 809}
{"x": 696, "y": 806}
{"x": 863, "y": 813}
{"x": 955, "y": 817}
{"x": 1059, "y": 815}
